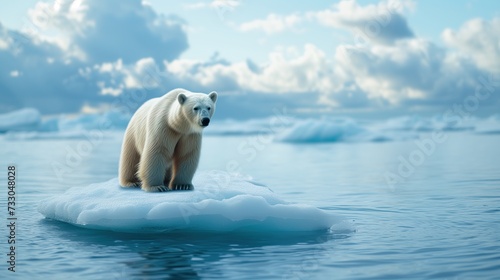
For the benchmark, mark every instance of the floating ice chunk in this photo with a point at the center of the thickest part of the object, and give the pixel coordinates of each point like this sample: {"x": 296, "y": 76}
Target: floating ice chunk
{"x": 220, "y": 202}
{"x": 321, "y": 130}
{"x": 21, "y": 120}
{"x": 332, "y": 130}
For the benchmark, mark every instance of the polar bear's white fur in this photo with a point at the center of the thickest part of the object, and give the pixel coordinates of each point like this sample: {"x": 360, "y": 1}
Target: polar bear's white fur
{"x": 162, "y": 143}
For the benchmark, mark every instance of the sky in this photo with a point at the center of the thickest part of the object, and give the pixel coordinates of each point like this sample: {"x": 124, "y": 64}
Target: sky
{"x": 311, "y": 58}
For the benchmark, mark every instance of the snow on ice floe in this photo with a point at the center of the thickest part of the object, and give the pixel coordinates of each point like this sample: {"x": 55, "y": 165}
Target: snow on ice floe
{"x": 26, "y": 119}
{"x": 221, "y": 202}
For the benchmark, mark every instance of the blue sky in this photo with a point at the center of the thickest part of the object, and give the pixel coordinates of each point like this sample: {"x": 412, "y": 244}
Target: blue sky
{"x": 326, "y": 57}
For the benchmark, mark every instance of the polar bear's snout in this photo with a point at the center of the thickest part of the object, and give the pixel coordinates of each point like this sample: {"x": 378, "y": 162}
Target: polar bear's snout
{"x": 204, "y": 116}
{"x": 205, "y": 121}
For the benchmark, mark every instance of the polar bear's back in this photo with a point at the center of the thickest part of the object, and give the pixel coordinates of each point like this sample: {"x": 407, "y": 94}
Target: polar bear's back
{"x": 155, "y": 107}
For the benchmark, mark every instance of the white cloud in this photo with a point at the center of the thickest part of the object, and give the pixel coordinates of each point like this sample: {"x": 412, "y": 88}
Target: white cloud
{"x": 379, "y": 23}
{"x": 196, "y": 6}
{"x": 272, "y": 24}
{"x": 410, "y": 73}
{"x": 287, "y": 71}
{"x": 220, "y": 6}
{"x": 389, "y": 73}
{"x": 225, "y": 4}
{"x": 4, "y": 44}
{"x": 478, "y": 39}
{"x": 109, "y": 90}
{"x": 132, "y": 30}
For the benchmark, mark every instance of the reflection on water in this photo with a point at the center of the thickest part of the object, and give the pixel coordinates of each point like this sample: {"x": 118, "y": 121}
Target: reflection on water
{"x": 181, "y": 255}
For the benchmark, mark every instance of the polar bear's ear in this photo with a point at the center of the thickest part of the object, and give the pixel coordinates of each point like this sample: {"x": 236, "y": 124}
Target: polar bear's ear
{"x": 213, "y": 96}
{"x": 181, "y": 98}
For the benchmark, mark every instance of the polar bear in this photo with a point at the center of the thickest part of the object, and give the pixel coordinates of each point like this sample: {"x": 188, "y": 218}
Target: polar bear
{"x": 162, "y": 142}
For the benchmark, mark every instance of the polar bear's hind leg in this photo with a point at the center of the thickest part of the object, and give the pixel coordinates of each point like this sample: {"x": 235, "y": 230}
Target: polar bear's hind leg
{"x": 129, "y": 160}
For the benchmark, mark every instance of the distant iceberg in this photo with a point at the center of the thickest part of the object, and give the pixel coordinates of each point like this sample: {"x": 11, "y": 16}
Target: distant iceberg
{"x": 221, "y": 202}
{"x": 26, "y": 119}
{"x": 323, "y": 130}
{"x": 338, "y": 130}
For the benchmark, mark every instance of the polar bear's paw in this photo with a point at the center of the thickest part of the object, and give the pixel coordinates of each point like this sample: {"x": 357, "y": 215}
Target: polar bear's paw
{"x": 181, "y": 187}
{"x": 159, "y": 188}
{"x": 131, "y": 185}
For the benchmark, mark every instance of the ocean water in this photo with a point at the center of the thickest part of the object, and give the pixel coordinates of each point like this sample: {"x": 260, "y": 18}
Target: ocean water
{"x": 409, "y": 212}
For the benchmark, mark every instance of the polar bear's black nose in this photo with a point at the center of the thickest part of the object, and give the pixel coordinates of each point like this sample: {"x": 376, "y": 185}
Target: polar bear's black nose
{"x": 205, "y": 121}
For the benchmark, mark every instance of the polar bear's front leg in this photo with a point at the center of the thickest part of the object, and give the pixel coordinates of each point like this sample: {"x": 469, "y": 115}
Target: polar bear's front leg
{"x": 152, "y": 171}
{"x": 184, "y": 176}
{"x": 186, "y": 161}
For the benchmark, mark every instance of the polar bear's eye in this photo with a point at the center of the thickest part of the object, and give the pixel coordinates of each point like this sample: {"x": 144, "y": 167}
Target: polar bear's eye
{"x": 208, "y": 108}
{"x": 196, "y": 108}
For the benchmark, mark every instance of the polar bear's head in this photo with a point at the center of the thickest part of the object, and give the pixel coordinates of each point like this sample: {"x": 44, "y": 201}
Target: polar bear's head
{"x": 198, "y": 108}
